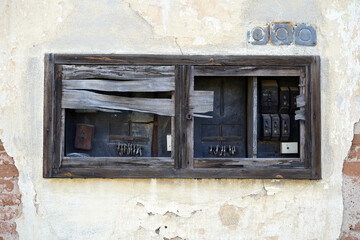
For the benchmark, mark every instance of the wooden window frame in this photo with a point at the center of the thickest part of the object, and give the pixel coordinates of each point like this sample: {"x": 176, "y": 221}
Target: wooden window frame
{"x": 182, "y": 163}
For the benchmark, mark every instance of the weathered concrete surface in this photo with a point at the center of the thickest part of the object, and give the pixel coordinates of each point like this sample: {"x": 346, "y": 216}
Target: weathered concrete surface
{"x": 159, "y": 209}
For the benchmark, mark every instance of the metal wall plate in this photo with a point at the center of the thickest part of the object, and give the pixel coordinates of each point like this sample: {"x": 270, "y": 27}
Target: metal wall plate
{"x": 281, "y": 33}
{"x": 304, "y": 35}
{"x": 289, "y": 148}
{"x": 258, "y": 35}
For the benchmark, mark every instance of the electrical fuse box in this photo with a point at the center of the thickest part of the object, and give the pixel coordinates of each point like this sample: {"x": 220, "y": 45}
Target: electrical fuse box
{"x": 177, "y": 116}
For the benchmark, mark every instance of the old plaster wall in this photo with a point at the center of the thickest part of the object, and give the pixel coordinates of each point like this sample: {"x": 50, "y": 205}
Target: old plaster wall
{"x": 160, "y": 209}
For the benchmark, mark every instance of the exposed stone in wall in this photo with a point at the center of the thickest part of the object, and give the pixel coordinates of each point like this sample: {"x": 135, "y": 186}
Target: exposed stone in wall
{"x": 10, "y": 197}
{"x": 351, "y": 190}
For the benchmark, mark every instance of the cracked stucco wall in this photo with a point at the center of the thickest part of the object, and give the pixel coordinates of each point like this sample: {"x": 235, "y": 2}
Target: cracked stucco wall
{"x": 165, "y": 209}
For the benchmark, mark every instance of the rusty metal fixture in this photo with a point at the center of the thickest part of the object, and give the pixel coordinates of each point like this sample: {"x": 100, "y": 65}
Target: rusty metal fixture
{"x": 84, "y": 136}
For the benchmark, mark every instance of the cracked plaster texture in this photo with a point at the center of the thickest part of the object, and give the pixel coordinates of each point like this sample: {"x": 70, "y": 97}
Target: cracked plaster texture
{"x": 167, "y": 208}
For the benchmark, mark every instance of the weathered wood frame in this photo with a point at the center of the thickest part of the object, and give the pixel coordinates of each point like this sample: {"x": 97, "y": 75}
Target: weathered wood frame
{"x": 182, "y": 164}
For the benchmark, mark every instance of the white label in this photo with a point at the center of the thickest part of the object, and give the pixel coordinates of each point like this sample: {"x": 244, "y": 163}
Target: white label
{"x": 289, "y": 148}
{"x": 168, "y": 143}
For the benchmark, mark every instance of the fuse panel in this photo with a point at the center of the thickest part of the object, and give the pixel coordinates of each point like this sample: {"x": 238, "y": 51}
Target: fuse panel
{"x": 276, "y": 112}
{"x": 223, "y": 133}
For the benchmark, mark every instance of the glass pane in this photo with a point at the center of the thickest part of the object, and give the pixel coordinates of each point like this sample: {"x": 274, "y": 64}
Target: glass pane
{"x": 223, "y": 135}
{"x": 278, "y": 131}
{"x": 124, "y": 134}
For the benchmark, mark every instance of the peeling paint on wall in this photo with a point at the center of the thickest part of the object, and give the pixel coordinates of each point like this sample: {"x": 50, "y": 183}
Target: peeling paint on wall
{"x": 10, "y": 197}
{"x": 230, "y": 215}
{"x": 350, "y": 228}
